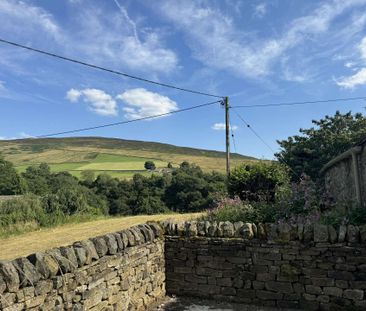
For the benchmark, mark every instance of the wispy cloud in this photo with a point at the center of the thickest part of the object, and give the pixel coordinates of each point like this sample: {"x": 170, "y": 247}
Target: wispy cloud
{"x": 115, "y": 38}
{"x": 98, "y": 101}
{"x": 142, "y": 103}
{"x": 350, "y": 82}
{"x": 20, "y": 17}
{"x": 222, "y": 127}
{"x": 105, "y": 37}
{"x": 260, "y": 10}
{"x": 2, "y": 86}
{"x": 217, "y": 42}
{"x": 19, "y": 136}
{"x": 359, "y": 78}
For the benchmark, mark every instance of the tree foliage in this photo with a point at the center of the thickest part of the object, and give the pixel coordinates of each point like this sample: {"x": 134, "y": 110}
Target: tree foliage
{"x": 314, "y": 147}
{"x": 10, "y": 181}
{"x": 257, "y": 182}
{"x": 150, "y": 165}
{"x": 192, "y": 190}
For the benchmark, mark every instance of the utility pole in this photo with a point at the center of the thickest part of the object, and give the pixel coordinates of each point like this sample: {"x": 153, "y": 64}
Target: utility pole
{"x": 227, "y": 129}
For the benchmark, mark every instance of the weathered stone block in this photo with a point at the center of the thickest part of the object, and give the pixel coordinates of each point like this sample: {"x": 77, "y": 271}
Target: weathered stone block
{"x": 308, "y": 233}
{"x": 267, "y": 295}
{"x": 212, "y": 229}
{"x": 247, "y": 231}
{"x": 69, "y": 253}
{"x": 261, "y": 231}
{"x": 28, "y": 274}
{"x": 10, "y": 276}
{"x": 333, "y": 291}
{"x": 320, "y": 233}
{"x": 352, "y": 234}
{"x": 342, "y": 232}
{"x": 191, "y": 228}
{"x": 201, "y": 228}
{"x": 362, "y": 230}
{"x": 227, "y": 229}
{"x": 281, "y": 287}
{"x": 91, "y": 252}
{"x": 353, "y": 294}
{"x": 112, "y": 243}
{"x": 284, "y": 232}
{"x": 333, "y": 237}
{"x": 272, "y": 232}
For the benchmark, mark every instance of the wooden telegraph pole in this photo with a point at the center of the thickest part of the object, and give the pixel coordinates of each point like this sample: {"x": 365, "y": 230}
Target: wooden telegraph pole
{"x": 227, "y": 129}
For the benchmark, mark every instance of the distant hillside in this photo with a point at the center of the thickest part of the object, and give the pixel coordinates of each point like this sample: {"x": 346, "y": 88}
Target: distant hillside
{"x": 118, "y": 156}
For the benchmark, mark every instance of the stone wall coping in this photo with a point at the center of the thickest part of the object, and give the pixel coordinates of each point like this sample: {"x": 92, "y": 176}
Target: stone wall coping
{"x": 272, "y": 232}
{"x": 28, "y": 271}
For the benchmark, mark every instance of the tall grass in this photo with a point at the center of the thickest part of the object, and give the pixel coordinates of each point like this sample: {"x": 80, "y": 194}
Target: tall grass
{"x": 27, "y": 213}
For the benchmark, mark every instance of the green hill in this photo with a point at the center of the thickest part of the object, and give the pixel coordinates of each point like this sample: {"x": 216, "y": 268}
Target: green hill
{"x": 118, "y": 157}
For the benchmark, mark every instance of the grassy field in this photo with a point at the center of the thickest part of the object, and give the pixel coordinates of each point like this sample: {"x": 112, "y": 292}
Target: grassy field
{"x": 116, "y": 157}
{"x": 30, "y": 242}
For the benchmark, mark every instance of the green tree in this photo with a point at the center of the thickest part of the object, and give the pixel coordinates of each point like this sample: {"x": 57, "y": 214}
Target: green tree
{"x": 191, "y": 190}
{"x": 37, "y": 179}
{"x": 150, "y": 165}
{"x": 88, "y": 176}
{"x": 314, "y": 147}
{"x": 10, "y": 182}
{"x": 257, "y": 182}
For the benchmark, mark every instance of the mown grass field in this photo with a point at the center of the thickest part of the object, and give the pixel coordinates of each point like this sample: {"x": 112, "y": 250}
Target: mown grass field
{"x": 117, "y": 157}
{"x": 30, "y": 242}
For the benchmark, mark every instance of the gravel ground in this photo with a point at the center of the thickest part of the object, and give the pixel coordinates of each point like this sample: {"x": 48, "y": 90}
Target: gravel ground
{"x": 192, "y": 304}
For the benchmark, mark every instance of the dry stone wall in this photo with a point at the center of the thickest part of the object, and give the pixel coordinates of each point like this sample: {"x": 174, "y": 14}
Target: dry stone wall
{"x": 119, "y": 271}
{"x": 313, "y": 267}
{"x": 340, "y": 179}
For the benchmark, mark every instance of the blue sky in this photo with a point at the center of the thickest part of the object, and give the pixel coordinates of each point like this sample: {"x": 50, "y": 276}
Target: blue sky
{"x": 256, "y": 52}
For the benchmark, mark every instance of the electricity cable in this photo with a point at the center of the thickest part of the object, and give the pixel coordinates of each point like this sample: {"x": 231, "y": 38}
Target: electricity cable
{"x": 105, "y": 69}
{"x": 128, "y": 121}
{"x": 301, "y": 103}
{"x": 233, "y": 137}
{"x": 265, "y": 143}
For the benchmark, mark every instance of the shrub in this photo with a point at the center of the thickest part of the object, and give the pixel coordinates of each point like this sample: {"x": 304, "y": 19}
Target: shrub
{"x": 24, "y": 209}
{"x": 149, "y": 165}
{"x": 236, "y": 210}
{"x": 191, "y": 190}
{"x": 257, "y": 182}
{"x": 10, "y": 182}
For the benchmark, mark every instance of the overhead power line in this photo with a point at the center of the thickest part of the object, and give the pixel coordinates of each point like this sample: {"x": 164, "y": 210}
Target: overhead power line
{"x": 233, "y": 137}
{"x": 106, "y": 69}
{"x": 301, "y": 103}
{"x": 254, "y": 132}
{"x": 264, "y": 142}
{"x": 128, "y": 121}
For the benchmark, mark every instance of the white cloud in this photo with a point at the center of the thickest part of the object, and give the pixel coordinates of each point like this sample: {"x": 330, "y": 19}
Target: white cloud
{"x": 2, "y": 86}
{"x": 98, "y": 101}
{"x": 73, "y": 95}
{"x": 217, "y": 42}
{"x": 222, "y": 127}
{"x": 20, "y": 136}
{"x": 260, "y": 10}
{"x": 362, "y": 48}
{"x": 142, "y": 103}
{"x": 359, "y": 78}
{"x": 116, "y": 39}
{"x": 20, "y": 17}
{"x": 109, "y": 38}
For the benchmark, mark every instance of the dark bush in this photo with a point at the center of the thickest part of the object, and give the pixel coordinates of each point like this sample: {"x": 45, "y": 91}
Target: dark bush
{"x": 258, "y": 182}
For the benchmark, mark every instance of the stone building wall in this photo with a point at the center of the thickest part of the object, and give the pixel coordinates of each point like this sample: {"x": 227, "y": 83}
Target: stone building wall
{"x": 308, "y": 267}
{"x": 340, "y": 179}
{"x": 119, "y": 271}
